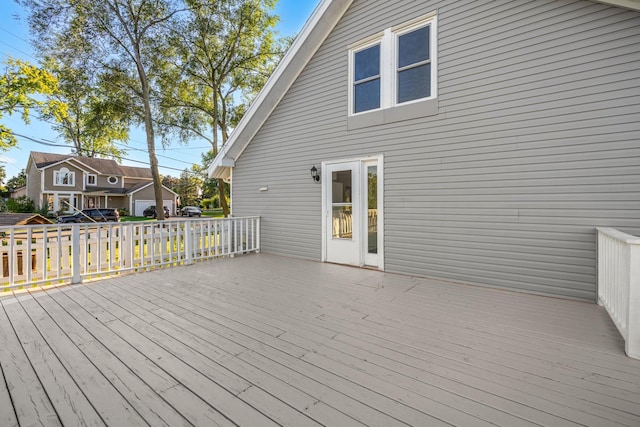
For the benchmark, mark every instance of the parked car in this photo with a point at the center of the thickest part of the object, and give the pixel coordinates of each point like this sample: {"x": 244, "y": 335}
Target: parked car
{"x": 91, "y": 215}
{"x": 191, "y": 211}
{"x": 151, "y": 212}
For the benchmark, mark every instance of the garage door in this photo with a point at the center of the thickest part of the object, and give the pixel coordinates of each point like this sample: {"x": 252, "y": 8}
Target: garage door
{"x": 141, "y": 205}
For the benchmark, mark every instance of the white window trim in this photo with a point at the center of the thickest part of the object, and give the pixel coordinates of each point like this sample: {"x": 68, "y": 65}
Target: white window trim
{"x": 388, "y": 41}
{"x": 95, "y": 179}
{"x": 72, "y": 176}
{"x": 114, "y": 182}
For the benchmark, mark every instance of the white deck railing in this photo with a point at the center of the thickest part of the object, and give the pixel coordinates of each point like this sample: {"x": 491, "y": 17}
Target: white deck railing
{"x": 34, "y": 255}
{"x": 343, "y": 223}
{"x": 619, "y": 284}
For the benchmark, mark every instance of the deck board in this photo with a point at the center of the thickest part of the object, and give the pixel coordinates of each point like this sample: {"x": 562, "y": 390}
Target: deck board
{"x": 267, "y": 340}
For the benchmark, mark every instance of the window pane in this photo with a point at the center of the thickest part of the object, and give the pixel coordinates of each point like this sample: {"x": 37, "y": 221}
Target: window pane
{"x": 367, "y": 63}
{"x": 413, "y": 47}
{"x": 372, "y": 212}
{"x": 341, "y": 186}
{"x": 366, "y": 96}
{"x": 342, "y": 222}
{"x": 414, "y": 83}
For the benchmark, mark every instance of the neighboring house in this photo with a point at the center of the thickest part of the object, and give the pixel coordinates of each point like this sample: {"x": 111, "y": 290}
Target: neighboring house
{"x": 66, "y": 183}
{"x": 474, "y": 141}
{"x": 18, "y": 192}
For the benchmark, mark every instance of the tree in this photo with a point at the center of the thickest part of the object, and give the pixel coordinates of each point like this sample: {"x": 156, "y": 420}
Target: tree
{"x": 125, "y": 38}
{"x": 19, "y": 180}
{"x": 170, "y": 182}
{"x": 226, "y": 50}
{"x": 20, "y": 84}
{"x": 97, "y": 118}
{"x": 189, "y": 188}
{"x": 3, "y": 175}
{"x": 21, "y": 204}
{"x": 209, "y": 186}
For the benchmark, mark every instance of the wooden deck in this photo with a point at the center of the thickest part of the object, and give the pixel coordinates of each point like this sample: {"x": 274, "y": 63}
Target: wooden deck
{"x": 262, "y": 340}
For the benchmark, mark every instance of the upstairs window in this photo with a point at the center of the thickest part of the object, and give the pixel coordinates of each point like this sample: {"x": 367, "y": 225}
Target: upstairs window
{"x": 394, "y": 68}
{"x": 64, "y": 177}
{"x": 414, "y": 65}
{"x": 366, "y": 79}
{"x": 91, "y": 179}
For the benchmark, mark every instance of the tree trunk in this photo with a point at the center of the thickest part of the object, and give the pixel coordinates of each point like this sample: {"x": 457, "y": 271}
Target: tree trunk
{"x": 223, "y": 198}
{"x": 151, "y": 142}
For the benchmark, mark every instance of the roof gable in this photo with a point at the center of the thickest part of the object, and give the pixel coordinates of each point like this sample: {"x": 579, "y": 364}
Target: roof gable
{"x": 323, "y": 19}
{"x": 94, "y": 164}
{"x": 317, "y": 28}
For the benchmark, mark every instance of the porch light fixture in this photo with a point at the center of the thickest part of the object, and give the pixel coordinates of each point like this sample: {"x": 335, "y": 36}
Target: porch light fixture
{"x": 314, "y": 174}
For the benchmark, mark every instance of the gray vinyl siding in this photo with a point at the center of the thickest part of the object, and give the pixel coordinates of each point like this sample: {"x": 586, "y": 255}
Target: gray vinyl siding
{"x": 537, "y": 142}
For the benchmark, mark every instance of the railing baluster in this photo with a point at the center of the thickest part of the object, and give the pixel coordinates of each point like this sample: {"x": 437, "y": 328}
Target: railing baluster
{"x": 68, "y": 253}
{"x": 619, "y": 284}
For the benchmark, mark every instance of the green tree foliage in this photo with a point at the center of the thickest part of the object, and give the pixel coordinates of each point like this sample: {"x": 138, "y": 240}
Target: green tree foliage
{"x": 20, "y": 85}
{"x": 189, "y": 188}
{"x": 125, "y": 39}
{"x": 16, "y": 181}
{"x": 98, "y": 116}
{"x": 226, "y": 51}
{"x": 3, "y": 175}
{"x": 21, "y": 204}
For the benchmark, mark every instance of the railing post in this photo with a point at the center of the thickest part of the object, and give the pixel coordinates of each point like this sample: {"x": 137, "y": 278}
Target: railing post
{"x": 258, "y": 235}
{"x": 75, "y": 254}
{"x": 188, "y": 242}
{"x": 632, "y": 344}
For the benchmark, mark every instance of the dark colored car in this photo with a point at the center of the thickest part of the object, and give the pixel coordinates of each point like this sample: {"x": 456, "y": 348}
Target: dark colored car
{"x": 191, "y": 211}
{"x": 91, "y": 215}
{"x": 151, "y": 212}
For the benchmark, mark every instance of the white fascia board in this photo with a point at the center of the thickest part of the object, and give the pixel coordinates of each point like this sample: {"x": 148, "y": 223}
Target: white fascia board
{"x": 131, "y": 193}
{"x": 627, "y": 4}
{"x": 317, "y": 28}
{"x": 75, "y": 163}
{"x": 220, "y": 165}
{"x": 138, "y": 189}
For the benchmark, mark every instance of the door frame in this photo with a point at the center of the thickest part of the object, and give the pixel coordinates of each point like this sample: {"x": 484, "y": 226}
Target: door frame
{"x": 363, "y": 244}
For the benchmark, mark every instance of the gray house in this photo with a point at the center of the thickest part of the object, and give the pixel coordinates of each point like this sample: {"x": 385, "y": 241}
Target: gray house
{"x": 473, "y": 141}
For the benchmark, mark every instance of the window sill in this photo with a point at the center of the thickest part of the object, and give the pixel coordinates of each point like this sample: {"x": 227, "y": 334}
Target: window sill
{"x": 395, "y": 114}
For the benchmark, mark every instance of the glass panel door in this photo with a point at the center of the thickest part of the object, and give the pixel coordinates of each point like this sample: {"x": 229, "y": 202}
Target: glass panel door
{"x": 342, "y": 214}
{"x": 342, "y": 204}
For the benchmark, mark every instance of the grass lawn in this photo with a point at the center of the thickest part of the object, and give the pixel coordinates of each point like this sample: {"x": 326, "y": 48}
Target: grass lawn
{"x": 134, "y": 219}
{"x": 212, "y": 213}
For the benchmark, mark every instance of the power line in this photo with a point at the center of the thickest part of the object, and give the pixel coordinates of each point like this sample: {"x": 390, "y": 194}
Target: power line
{"x": 51, "y": 144}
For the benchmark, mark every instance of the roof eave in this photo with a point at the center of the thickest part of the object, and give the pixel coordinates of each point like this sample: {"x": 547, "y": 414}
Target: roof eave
{"x": 323, "y": 19}
{"x": 627, "y": 4}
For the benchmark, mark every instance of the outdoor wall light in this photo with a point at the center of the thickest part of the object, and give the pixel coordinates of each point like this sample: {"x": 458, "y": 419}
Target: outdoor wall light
{"x": 314, "y": 174}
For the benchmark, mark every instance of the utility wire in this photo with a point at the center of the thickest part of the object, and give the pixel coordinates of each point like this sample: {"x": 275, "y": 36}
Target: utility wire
{"x": 51, "y": 144}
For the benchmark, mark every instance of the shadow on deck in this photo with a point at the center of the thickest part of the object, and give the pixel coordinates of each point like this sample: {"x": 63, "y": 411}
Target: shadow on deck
{"x": 266, "y": 340}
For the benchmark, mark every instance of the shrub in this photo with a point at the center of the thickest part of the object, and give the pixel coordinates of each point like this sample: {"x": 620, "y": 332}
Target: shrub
{"x": 21, "y": 204}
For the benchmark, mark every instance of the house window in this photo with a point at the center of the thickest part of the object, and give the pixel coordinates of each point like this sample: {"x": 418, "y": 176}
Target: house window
{"x": 91, "y": 179}
{"x": 64, "y": 177}
{"x": 394, "y": 68}
{"x": 366, "y": 84}
{"x": 112, "y": 180}
{"x": 414, "y": 65}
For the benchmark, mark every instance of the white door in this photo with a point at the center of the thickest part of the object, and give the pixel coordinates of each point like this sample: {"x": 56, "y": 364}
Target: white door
{"x": 353, "y": 212}
{"x": 342, "y": 216}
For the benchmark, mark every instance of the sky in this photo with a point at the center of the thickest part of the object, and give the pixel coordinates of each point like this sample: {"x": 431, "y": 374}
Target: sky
{"x": 14, "y": 42}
